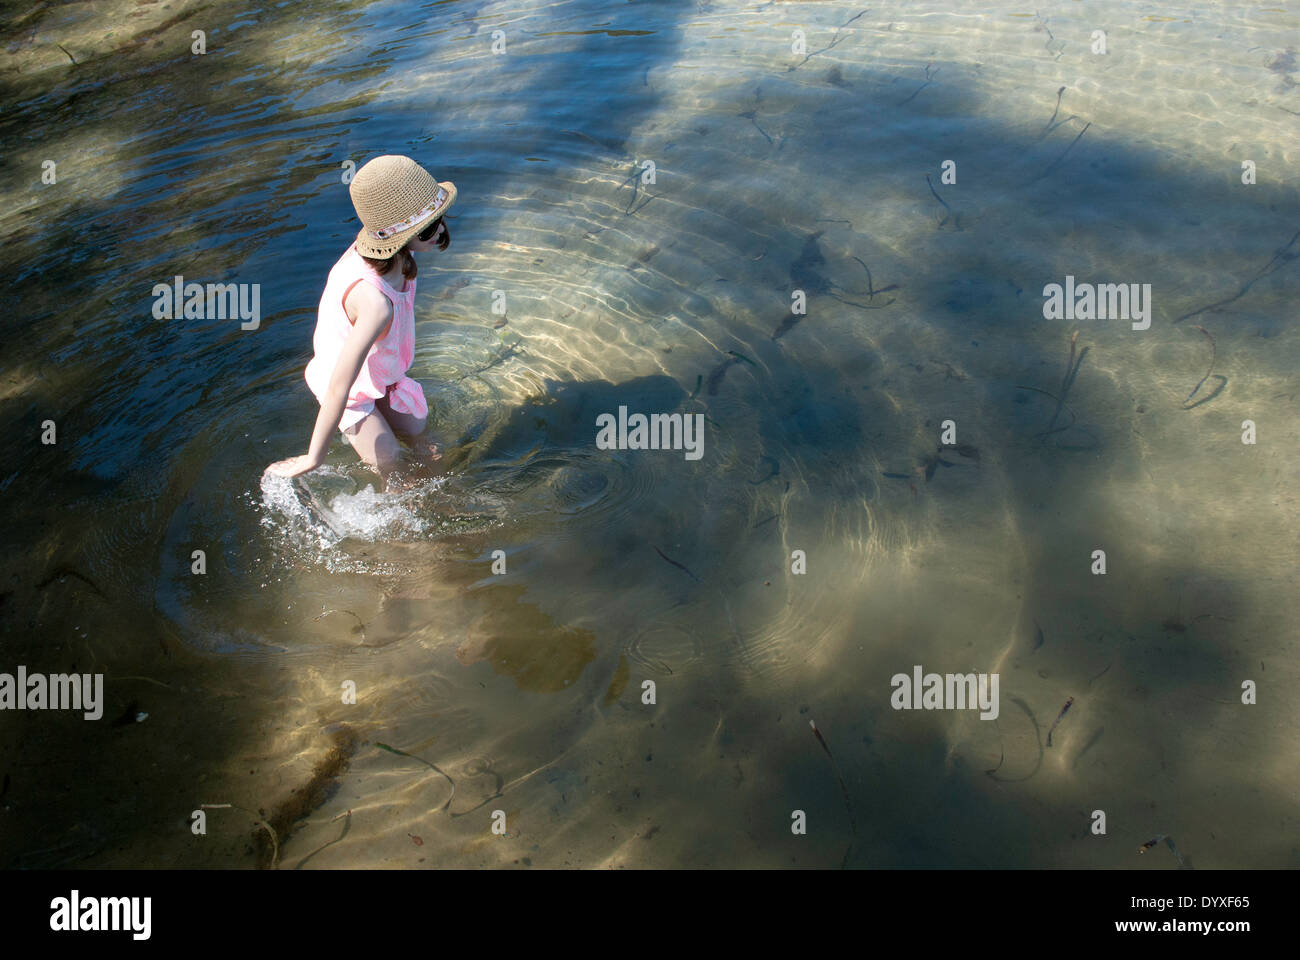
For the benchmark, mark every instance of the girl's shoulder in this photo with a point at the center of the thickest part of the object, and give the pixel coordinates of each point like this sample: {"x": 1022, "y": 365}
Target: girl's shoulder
{"x": 351, "y": 266}
{"x": 349, "y": 263}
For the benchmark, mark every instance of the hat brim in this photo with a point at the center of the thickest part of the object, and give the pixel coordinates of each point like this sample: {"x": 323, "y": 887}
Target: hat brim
{"x": 367, "y": 246}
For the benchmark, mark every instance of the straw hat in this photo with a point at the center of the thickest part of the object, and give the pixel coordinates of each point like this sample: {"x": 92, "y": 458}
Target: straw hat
{"x": 396, "y": 198}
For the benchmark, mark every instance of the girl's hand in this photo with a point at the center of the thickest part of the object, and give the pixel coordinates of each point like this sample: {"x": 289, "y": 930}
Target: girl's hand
{"x": 293, "y": 466}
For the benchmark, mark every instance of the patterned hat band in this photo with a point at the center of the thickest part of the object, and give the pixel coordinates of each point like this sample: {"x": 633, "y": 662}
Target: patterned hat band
{"x": 411, "y": 221}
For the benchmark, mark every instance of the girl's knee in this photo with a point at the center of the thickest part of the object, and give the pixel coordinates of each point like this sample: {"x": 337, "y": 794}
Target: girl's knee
{"x": 388, "y": 452}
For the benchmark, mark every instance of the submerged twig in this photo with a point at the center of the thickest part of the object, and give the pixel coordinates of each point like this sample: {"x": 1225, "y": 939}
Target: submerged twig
{"x": 433, "y": 767}
{"x": 1057, "y": 162}
{"x": 1169, "y": 842}
{"x": 1037, "y": 742}
{"x": 1051, "y": 38}
{"x": 854, "y": 303}
{"x": 1020, "y": 386}
{"x": 360, "y": 626}
{"x": 679, "y": 566}
{"x": 848, "y": 803}
{"x": 834, "y": 40}
{"x": 1103, "y": 672}
{"x": 752, "y": 117}
{"x": 936, "y": 194}
{"x": 1067, "y": 381}
{"x": 929, "y": 79}
{"x": 939, "y": 198}
{"x": 1052, "y": 124}
{"x": 1058, "y": 719}
{"x": 146, "y": 680}
{"x": 1214, "y": 354}
{"x": 347, "y": 825}
{"x": 1283, "y": 255}
{"x": 257, "y": 821}
{"x": 871, "y": 289}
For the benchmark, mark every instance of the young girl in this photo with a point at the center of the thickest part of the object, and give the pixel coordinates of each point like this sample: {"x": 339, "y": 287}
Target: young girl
{"x": 365, "y": 329}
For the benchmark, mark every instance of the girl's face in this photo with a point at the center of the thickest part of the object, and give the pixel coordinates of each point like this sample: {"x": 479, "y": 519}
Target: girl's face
{"x": 439, "y": 240}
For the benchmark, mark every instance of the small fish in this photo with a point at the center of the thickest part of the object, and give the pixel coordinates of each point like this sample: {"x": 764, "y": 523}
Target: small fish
{"x": 418, "y": 841}
{"x": 1058, "y": 720}
{"x": 898, "y": 476}
{"x": 1038, "y": 638}
{"x": 966, "y": 450}
{"x": 679, "y": 566}
{"x": 1150, "y": 843}
{"x": 699, "y": 381}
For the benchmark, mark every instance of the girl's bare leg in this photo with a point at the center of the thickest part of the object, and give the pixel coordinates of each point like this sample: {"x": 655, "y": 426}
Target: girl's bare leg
{"x": 403, "y": 423}
{"x": 411, "y": 429}
{"x": 376, "y": 444}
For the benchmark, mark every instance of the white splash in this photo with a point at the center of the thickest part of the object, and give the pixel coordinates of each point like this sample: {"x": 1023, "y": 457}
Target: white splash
{"x": 322, "y": 509}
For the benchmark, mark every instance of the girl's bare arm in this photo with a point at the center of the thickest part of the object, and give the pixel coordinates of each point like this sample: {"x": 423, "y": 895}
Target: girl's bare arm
{"x": 374, "y": 313}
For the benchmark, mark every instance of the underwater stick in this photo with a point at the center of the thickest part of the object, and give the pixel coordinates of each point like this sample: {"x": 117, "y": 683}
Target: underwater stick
{"x": 1059, "y": 716}
{"x": 1214, "y": 353}
{"x": 679, "y": 566}
{"x": 936, "y": 193}
{"x": 1055, "y": 163}
{"x": 1067, "y": 381}
{"x": 1037, "y": 742}
{"x": 848, "y": 804}
{"x": 403, "y": 753}
{"x": 275, "y": 845}
{"x": 1281, "y": 256}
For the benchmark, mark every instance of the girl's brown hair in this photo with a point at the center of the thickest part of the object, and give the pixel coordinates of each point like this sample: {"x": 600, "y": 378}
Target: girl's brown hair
{"x": 409, "y": 269}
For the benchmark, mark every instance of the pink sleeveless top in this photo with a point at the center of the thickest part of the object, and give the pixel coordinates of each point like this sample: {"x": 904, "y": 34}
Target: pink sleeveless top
{"x": 384, "y": 371}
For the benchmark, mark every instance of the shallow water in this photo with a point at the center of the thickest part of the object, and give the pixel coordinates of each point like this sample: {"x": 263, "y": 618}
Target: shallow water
{"x": 773, "y": 172}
